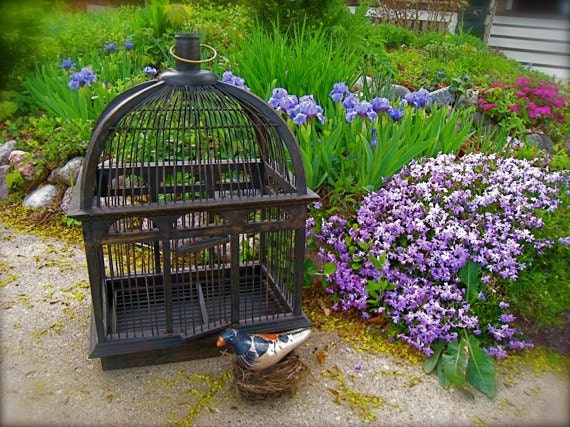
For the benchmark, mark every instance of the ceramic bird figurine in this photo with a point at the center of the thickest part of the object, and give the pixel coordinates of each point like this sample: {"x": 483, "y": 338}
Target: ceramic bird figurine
{"x": 260, "y": 351}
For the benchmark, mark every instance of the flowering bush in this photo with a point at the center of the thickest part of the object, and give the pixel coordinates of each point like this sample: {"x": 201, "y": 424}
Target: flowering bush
{"x": 523, "y": 106}
{"x": 425, "y": 249}
{"x": 424, "y": 226}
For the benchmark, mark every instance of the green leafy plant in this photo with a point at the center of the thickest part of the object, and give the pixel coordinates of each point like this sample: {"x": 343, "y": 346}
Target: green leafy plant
{"x": 305, "y": 61}
{"x": 463, "y": 361}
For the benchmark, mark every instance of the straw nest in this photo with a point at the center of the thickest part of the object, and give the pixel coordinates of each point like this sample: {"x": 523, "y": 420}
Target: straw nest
{"x": 283, "y": 377}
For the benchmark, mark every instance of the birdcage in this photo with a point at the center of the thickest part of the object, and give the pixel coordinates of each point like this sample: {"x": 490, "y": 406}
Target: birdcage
{"x": 193, "y": 202}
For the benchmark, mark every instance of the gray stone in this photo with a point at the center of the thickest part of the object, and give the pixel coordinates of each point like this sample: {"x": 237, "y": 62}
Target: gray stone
{"x": 468, "y": 99}
{"x": 398, "y": 91}
{"x": 42, "y": 197}
{"x": 16, "y": 157}
{"x": 5, "y": 150}
{"x": 4, "y": 189}
{"x": 443, "y": 96}
{"x": 541, "y": 141}
{"x": 358, "y": 86}
{"x": 68, "y": 173}
{"x": 66, "y": 199}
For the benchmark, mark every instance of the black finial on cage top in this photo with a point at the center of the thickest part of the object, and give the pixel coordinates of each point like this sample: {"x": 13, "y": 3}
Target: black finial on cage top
{"x": 186, "y": 52}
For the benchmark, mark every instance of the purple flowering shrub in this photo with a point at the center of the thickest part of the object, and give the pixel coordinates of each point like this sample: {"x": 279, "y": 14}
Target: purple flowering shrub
{"x": 426, "y": 248}
{"x": 524, "y": 105}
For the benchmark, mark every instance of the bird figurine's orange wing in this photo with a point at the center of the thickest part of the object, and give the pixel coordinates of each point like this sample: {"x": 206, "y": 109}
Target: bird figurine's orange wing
{"x": 260, "y": 351}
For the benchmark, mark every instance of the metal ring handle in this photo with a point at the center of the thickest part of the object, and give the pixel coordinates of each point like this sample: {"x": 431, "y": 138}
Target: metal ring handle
{"x": 194, "y": 61}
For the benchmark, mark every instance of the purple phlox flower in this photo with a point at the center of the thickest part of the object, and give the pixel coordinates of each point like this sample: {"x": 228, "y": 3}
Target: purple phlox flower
{"x": 150, "y": 71}
{"x": 110, "y": 47}
{"x": 395, "y": 113}
{"x": 379, "y": 105}
{"x": 229, "y": 78}
{"x": 67, "y": 64}
{"x": 564, "y": 240}
{"x": 481, "y": 296}
{"x": 82, "y": 78}
{"x": 503, "y": 305}
{"x": 358, "y": 368}
{"x": 497, "y": 352}
{"x": 507, "y": 318}
{"x": 128, "y": 45}
{"x": 419, "y": 98}
{"x": 338, "y": 92}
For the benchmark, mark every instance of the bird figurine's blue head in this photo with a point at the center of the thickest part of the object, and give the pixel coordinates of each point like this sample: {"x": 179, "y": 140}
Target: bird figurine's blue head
{"x": 235, "y": 339}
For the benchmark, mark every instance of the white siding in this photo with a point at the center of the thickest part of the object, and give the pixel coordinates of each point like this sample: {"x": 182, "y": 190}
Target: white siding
{"x": 542, "y": 43}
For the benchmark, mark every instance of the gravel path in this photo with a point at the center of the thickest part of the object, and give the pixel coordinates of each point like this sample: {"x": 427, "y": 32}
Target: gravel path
{"x": 47, "y": 379}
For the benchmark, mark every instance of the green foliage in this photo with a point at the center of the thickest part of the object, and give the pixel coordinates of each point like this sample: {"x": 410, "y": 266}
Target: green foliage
{"x": 541, "y": 296}
{"x": 461, "y": 362}
{"x": 289, "y": 12}
{"x": 395, "y": 37}
{"x": 308, "y": 61}
{"x": 470, "y": 276}
{"x": 54, "y": 140}
{"x": 7, "y": 106}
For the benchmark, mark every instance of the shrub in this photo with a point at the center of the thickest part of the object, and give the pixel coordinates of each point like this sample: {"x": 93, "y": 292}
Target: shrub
{"x": 524, "y": 106}
{"x": 412, "y": 240}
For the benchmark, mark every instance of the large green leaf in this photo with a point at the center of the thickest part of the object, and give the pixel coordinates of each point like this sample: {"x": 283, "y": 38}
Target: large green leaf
{"x": 470, "y": 275}
{"x": 454, "y": 362}
{"x": 431, "y": 362}
{"x": 480, "y": 368}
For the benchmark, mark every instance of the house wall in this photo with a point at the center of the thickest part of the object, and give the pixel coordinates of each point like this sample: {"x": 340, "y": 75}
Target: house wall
{"x": 541, "y": 40}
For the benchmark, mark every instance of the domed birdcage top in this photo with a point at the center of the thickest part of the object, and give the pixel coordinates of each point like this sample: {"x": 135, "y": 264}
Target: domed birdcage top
{"x": 188, "y": 139}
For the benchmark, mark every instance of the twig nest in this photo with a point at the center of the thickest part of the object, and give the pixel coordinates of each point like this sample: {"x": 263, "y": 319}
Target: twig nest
{"x": 283, "y": 377}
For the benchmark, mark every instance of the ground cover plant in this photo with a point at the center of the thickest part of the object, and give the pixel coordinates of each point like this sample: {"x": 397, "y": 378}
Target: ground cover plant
{"x": 450, "y": 234}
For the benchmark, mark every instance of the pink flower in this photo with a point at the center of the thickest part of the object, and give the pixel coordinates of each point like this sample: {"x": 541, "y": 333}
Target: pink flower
{"x": 485, "y": 106}
{"x": 514, "y": 108}
{"x": 522, "y": 81}
{"x": 498, "y": 84}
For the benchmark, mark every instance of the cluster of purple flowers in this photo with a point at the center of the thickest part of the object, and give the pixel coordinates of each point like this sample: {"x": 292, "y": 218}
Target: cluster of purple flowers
{"x": 82, "y": 78}
{"x": 229, "y": 78}
{"x": 299, "y": 110}
{"x": 356, "y": 107}
{"x": 150, "y": 71}
{"x": 112, "y": 47}
{"x": 428, "y": 221}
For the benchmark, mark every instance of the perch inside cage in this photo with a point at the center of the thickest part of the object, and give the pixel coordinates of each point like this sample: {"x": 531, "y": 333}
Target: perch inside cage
{"x": 193, "y": 204}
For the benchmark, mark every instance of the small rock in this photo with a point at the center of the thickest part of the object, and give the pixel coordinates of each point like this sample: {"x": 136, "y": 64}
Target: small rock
{"x": 66, "y": 199}
{"x": 5, "y": 150}
{"x": 16, "y": 157}
{"x": 68, "y": 173}
{"x": 541, "y": 141}
{"x": 4, "y": 189}
{"x": 443, "y": 96}
{"x": 398, "y": 91}
{"x": 358, "y": 86}
{"x": 42, "y": 197}
{"x": 27, "y": 170}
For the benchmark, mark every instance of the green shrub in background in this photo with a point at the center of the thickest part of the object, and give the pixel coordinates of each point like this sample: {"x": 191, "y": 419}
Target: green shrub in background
{"x": 307, "y": 60}
{"x": 288, "y": 12}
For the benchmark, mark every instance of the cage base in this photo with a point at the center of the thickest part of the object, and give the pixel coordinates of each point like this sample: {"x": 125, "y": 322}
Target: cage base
{"x": 172, "y": 348}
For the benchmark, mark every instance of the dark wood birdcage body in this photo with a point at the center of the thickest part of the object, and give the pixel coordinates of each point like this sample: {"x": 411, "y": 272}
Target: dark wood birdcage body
{"x": 193, "y": 204}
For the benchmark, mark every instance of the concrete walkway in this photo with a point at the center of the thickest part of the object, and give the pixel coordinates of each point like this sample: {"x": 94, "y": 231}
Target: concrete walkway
{"x": 48, "y": 380}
